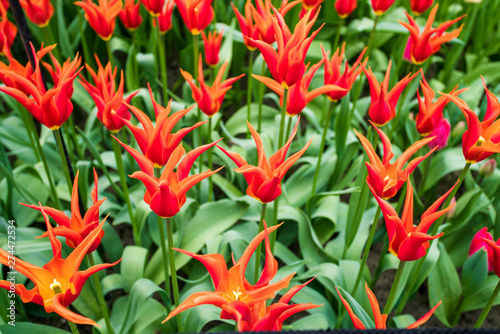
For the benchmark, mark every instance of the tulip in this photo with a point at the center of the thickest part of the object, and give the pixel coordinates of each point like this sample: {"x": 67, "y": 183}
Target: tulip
{"x": 310, "y": 4}
{"x": 380, "y": 319}
{"x": 196, "y": 14}
{"x": 165, "y": 17}
{"x": 418, "y": 7}
{"x": 384, "y": 177}
{"x": 406, "y": 241}
{"x": 383, "y": 102}
{"x": 298, "y": 96}
{"x": 209, "y": 99}
{"x": 422, "y": 45}
{"x": 212, "y": 47}
{"x": 478, "y": 242}
{"x": 108, "y": 99}
{"x": 8, "y": 32}
{"x": 167, "y": 194}
{"x": 50, "y": 107}
{"x": 441, "y": 133}
{"x": 381, "y": 6}
{"x": 345, "y": 7}
{"x": 264, "y": 180}
{"x": 488, "y": 168}
{"x": 58, "y": 283}
{"x": 38, "y": 11}
{"x": 333, "y": 75}
{"x": 74, "y": 228}
{"x": 130, "y": 15}
{"x": 102, "y": 17}
{"x": 288, "y": 70}
{"x": 154, "y": 7}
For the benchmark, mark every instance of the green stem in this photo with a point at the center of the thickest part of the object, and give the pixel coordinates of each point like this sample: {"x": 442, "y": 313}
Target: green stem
{"x": 110, "y": 54}
{"x": 126, "y": 197}
{"x": 49, "y": 37}
{"x": 372, "y": 34}
{"x": 100, "y": 296}
{"x": 392, "y": 295}
{"x": 164, "y": 253}
{"x": 163, "y": 62}
{"x": 249, "y": 90}
{"x": 86, "y": 53}
{"x": 261, "y": 96}
{"x": 210, "y": 154}
{"x": 259, "y": 247}
{"x": 488, "y": 306}
{"x": 337, "y": 34}
{"x": 322, "y": 146}
{"x": 73, "y": 327}
{"x": 64, "y": 162}
{"x": 195, "y": 54}
{"x": 175, "y": 286}
{"x": 424, "y": 174}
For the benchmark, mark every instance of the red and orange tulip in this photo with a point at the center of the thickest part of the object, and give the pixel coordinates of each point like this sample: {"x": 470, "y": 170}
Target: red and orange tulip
{"x": 196, "y": 14}
{"x": 381, "y": 6}
{"x": 406, "y": 241}
{"x": 157, "y": 142}
{"x": 345, "y": 7}
{"x": 298, "y": 96}
{"x": 478, "y": 242}
{"x": 264, "y": 180}
{"x": 154, "y": 7}
{"x": 380, "y": 319}
{"x": 333, "y": 75}
{"x": 102, "y": 17}
{"x": 76, "y": 229}
{"x": 50, "y": 107}
{"x": 58, "y": 283}
{"x": 130, "y": 15}
{"x": 209, "y": 99}
{"x": 167, "y": 194}
{"x": 418, "y": 7}
{"x": 38, "y": 11}
{"x": 109, "y": 100}
{"x": 384, "y": 177}
{"x": 422, "y": 45}
{"x": 8, "y": 31}
{"x": 212, "y": 47}
{"x": 165, "y": 17}
{"x": 383, "y": 102}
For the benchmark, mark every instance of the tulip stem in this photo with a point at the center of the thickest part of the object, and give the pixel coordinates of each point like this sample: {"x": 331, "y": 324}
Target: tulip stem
{"x": 175, "y": 286}
{"x": 195, "y": 54}
{"x": 288, "y": 127}
{"x": 488, "y": 306}
{"x": 261, "y": 96}
{"x": 322, "y": 147}
{"x": 210, "y": 181}
{"x": 73, "y": 327}
{"x": 372, "y": 34}
{"x": 110, "y": 54}
{"x": 392, "y": 295}
{"x": 100, "y": 296}
{"x": 367, "y": 249}
{"x": 259, "y": 247}
{"x": 249, "y": 90}
{"x": 64, "y": 162}
{"x": 337, "y": 34}
{"x": 126, "y": 197}
{"x": 162, "y": 60}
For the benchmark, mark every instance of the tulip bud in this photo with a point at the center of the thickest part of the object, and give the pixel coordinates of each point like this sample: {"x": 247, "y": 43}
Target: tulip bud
{"x": 458, "y": 130}
{"x": 488, "y": 168}
{"x": 451, "y": 213}
{"x": 441, "y": 133}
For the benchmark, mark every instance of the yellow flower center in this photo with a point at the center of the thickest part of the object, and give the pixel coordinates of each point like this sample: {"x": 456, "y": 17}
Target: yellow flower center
{"x": 56, "y": 287}
{"x": 237, "y": 294}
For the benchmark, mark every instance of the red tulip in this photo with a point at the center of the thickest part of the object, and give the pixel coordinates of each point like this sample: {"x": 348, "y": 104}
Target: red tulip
{"x": 130, "y": 15}
{"x": 38, "y": 11}
{"x": 381, "y": 6}
{"x": 310, "y": 4}
{"x": 196, "y": 14}
{"x": 165, "y": 18}
{"x": 333, "y": 75}
{"x": 422, "y": 45}
{"x": 8, "y": 32}
{"x": 154, "y": 7}
{"x": 167, "y": 194}
{"x": 345, "y": 7}
{"x": 495, "y": 248}
{"x": 58, "y": 283}
{"x": 212, "y": 47}
{"x": 384, "y": 177}
{"x": 418, "y": 7}
{"x": 406, "y": 241}
{"x": 383, "y": 102}
{"x": 209, "y": 99}
{"x": 102, "y": 17}
{"x": 108, "y": 99}
{"x": 264, "y": 180}
{"x": 478, "y": 242}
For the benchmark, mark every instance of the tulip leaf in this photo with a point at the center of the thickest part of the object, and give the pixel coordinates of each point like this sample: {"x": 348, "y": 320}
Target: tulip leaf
{"x": 403, "y": 320}
{"x": 474, "y": 271}
{"x": 132, "y": 265}
{"x": 357, "y": 309}
{"x": 325, "y": 312}
{"x": 481, "y": 295}
{"x": 443, "y": 163}
{"x": 236, "y": 124}
{"x": 27, "y": 327}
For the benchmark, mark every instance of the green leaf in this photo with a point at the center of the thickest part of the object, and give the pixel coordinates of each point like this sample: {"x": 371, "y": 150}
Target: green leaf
{"x": 25, "y": 327}
{"x": 132, "y": 265}
{"x": 357, "y": 309}
{"x": 475, "y": 271}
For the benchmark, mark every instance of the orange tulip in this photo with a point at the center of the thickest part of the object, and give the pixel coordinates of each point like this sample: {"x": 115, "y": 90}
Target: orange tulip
{"x": 108, "y": 99}
{"x": 58, "y": 283}
{"x": 154, "y": 7}
{"x": 264, "y": 180}
{"x": 345, "y": 7}
{"x": 209, "y": 99}
{"x": 8, "y": 32}
{"x": 38, "y": 11}
{"x": 380, "y": 319}
{"x": 383, "y": 102}
{"x": 212, "y": 47}
{"x": 384, "y": 177}
{"x": 130, "y": 15}
{"x": 422, "y": 45}
{"x": 102, "y": 17}
{"x": 196, "y": 14}
{"x": 167, "y": 194}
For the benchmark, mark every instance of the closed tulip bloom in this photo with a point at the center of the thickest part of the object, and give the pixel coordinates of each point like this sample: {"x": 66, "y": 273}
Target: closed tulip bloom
{"x": 8, "y": 32}
{"x": 418, "y": 7}
{"x": 381, "y": 6}
{"x": 166, "y": 195}
{"x": 310, "y": 4}
{"x": 441, "y": 134}
{"x": 102, "y": 17}
{"x": 406, "y": 241}
{"x": 212, "y": 47}
{"x": 38, "y": 11}
{"x": 384, "y": 177}
{"x": 383, "y": 102}
{"x": 209, "y": 99}
{"x": 154, "y": 7}
{"x": 58, "y": 283}
{"x": 108, "y": 98}
{"x": 130, "y": 15}
{"x": 196, "y": 14}
{"x": 422, "y": 45}
{"x": 264, "y": 180}
{"x": 478, "y": 242}
{"x": 165, "y": 18}
{"x": 494, "y": 261}
{"x": 345, "y": 7}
